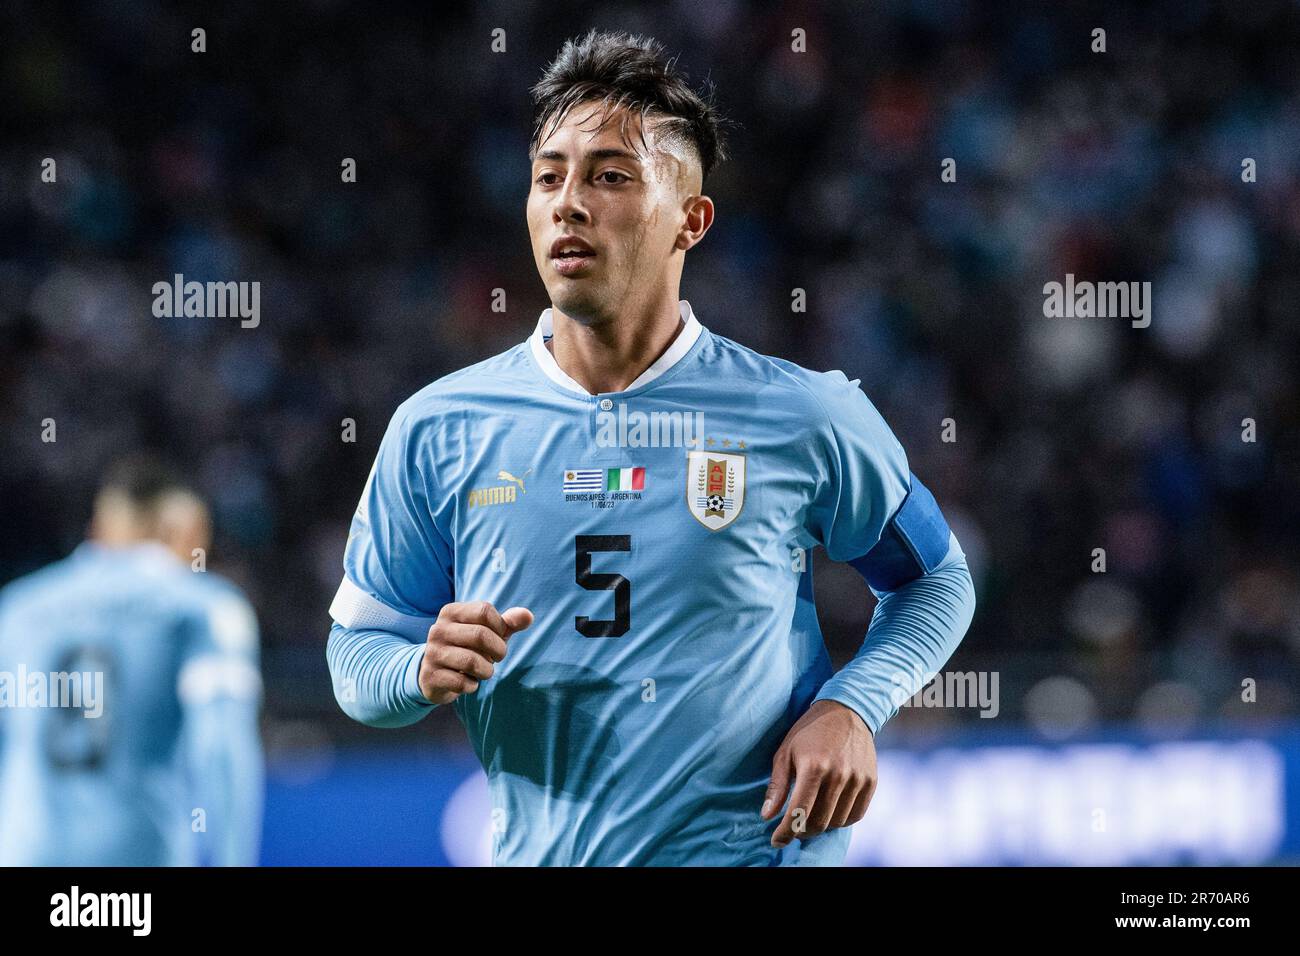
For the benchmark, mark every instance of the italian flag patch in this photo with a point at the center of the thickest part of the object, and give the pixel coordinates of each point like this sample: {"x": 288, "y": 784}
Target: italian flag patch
{"x": 625, "y": 479}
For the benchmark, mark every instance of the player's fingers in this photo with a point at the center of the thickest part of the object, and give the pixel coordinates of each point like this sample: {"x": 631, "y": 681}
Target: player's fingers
{"x": 779, "y": 785}
{"x": 476, "y": 637}
{"x": 823, "y": 809}
{"x": 861, "y": 803}
{"x": 795, "y": 822}
{"x": 474, "y": 612}
{"x": 442, "y": 686}
{"x": 462, "y": 659}
{"x": 516, "y": 619}
{"x": 845, "y": 801}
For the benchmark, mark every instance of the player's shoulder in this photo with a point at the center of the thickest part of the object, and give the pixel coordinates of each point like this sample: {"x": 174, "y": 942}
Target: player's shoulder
{"x": 140, "y": 577}
{"x": 803, "y": 391}
{"x": 227, "y": 612}
{"x": 213, "y": 589}
{"x": 213, "y": 586}
{"x": 34, "y": 586}
{"x": 501, "y": 377}
{"x": 88, "y": 567}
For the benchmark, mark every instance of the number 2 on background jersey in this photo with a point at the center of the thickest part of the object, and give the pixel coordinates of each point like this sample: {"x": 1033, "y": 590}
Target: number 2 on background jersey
{"x": 584, "y": 546}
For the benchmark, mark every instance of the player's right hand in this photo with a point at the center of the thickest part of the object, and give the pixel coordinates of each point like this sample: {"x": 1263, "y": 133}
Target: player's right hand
{"x": 463, "y": 646}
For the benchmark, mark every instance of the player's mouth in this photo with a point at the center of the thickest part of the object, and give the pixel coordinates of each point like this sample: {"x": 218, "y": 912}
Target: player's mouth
{"x": 571, "y": 255}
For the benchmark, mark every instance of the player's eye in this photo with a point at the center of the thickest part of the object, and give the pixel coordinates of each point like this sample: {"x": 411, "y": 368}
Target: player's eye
{"x": 611, "y": 172}
{"x": 542, "y": 179}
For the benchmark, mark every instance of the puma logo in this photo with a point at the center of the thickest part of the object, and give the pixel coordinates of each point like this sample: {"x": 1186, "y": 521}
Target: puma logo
{"x": 500, "y": 494}
{"x": 504, "y": 475}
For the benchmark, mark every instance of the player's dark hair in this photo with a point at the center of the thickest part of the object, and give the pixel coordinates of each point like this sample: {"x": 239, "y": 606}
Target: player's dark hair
{"x": 629, "y": 71}
{"x": 143, "y": 478}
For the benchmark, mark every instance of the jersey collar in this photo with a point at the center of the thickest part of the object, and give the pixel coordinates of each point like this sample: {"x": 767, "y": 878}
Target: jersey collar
{"x": 149, "y": 553}
{"x": 686, "y": 336}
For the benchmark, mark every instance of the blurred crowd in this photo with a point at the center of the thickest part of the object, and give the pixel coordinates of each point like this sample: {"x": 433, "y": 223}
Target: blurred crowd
{"x": 1064, "y": 435}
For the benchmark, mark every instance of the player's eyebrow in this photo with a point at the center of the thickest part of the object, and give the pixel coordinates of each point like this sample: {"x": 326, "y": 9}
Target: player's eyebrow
{"x": 608, "y": 152}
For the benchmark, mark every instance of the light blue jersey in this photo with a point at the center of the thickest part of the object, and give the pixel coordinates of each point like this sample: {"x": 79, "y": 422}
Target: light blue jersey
{"x": 129, "y": 691}
{"x": 662, "y": 536}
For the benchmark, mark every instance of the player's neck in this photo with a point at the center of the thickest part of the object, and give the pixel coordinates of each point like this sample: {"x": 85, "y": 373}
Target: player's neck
{"x": 609, "y": 356}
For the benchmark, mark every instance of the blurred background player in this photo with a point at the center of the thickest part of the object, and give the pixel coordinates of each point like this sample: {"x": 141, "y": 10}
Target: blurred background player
{"x": 170, "y": 772}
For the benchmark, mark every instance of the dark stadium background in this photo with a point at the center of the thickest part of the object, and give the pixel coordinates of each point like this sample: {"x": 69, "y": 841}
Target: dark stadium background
{"x": 1072, "y": 434}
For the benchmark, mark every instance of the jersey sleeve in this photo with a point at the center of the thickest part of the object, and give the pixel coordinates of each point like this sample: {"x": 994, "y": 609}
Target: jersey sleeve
{"x": 862, "y": 473}
{"x": 220, "y": 690}
{"x": 872, "y": 512}
{"x": 398, "y": 564}
{"x": 398, "y": 574}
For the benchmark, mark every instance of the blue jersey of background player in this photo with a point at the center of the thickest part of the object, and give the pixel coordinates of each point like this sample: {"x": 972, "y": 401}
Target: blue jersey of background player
{"x": 657, "y": 690}
{"x": 129, "y": 693}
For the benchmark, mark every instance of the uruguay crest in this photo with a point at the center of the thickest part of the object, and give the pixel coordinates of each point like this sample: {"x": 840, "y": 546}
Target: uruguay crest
{"x": 715, "y": 487}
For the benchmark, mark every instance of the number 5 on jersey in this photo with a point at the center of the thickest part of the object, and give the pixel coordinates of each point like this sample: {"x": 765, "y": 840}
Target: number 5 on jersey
{"x": 584, "y": 546}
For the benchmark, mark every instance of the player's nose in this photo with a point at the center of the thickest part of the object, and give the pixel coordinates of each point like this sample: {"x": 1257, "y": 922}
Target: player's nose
{"x": 569, "y": 203}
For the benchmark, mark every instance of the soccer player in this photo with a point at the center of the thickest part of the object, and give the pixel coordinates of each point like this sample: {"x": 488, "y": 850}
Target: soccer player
{"x": 617, "y": 603}
{"x": 129, "y": 693}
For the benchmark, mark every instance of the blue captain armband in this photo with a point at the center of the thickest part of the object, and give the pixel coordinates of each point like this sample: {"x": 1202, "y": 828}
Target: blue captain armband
{"x": 913, "y": 544}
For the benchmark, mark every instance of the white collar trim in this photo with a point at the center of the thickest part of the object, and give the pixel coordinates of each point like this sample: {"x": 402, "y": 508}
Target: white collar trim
{"x": 686, "y": 337}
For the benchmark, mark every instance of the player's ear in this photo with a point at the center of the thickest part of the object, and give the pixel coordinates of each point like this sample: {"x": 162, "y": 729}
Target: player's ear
{"x": 183, "y": 524}
{"x": 697, "y": 220}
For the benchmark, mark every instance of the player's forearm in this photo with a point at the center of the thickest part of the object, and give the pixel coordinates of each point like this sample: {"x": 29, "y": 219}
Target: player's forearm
{"x": 230, "y": 778}
{"x": 376, "y": 676}
{"x": 913, "y": 632}
{"x": 240, "y": 840}
{"x": 243, "y": 839}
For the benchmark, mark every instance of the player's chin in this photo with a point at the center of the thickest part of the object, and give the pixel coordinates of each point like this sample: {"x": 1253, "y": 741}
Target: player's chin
{"x": 575, "y": 299}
